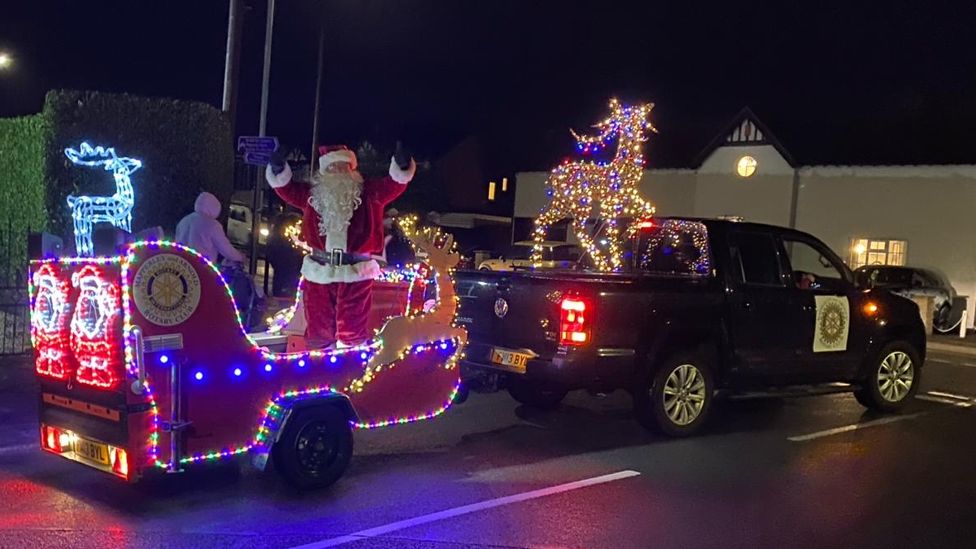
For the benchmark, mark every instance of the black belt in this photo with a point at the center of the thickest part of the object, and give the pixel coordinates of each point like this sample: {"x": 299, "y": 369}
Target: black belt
{"x": 337, "y": 257}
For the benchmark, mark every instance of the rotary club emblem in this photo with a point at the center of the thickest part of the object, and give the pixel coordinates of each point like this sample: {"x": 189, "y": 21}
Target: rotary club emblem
{"x": 833, "y": 324}
{"x": 166, "y": 289}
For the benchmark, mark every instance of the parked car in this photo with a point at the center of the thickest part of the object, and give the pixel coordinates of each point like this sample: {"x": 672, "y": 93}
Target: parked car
{"x": 556, "y": 255}
{"x": 239, "y": 221}
{"x": 709, "y": 308}
{"x": 911, "y": 282}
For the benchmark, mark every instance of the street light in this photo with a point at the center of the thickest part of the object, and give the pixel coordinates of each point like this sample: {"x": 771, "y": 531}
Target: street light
{"x": 6, "y": 60}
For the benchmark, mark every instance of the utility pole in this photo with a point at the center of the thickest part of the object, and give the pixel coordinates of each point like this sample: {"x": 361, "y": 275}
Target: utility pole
{"x": 232, "y": 61}
{"x": 262, "y": 131}
{"x": 318, "y": 98}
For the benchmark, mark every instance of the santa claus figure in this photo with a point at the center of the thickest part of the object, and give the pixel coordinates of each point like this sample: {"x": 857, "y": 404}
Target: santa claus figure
{"x": 342, "y": 220}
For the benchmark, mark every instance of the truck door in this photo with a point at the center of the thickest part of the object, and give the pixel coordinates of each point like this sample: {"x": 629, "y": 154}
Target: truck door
{"x": 768, "y": 325}
{"x": 830, "y": 302}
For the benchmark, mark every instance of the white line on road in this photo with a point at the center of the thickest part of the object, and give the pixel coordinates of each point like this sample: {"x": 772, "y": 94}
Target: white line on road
{"x": 942, "y": 400}
{"x": 939, "y": 360}
{"x": 950, "y": 395}
{"x": 465, "y": 509}
{"x": 19, "y": 448}
{"x": 853, "y": 427}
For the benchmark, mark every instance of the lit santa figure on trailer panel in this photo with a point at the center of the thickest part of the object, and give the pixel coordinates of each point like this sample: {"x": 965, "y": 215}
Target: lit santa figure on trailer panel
{"x": 342, "y": 222}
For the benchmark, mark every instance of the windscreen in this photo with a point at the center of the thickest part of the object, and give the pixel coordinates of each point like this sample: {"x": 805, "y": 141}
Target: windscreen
{"x": 674, "y": 247}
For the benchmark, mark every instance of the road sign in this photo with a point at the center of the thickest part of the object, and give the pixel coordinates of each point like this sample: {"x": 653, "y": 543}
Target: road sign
{"x": 257, "y": 150}
{"x": 256, "y": 144}
{"x": 257, "y": 158}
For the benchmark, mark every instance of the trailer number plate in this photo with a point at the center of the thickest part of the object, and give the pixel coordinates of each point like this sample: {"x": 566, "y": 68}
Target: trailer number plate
{"x": 510, "y": 359}
{"x": 95, "y": 452}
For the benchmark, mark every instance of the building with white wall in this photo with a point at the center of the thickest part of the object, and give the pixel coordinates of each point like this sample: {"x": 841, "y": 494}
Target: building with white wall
{"x": 915, "y": 215}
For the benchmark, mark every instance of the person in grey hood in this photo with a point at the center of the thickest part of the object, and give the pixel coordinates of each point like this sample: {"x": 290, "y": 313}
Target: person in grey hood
{"x": 201, "y": 231}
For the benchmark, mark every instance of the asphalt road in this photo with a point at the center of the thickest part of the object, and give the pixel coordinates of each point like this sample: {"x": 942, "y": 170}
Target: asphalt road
{"x": 805, "y": 472}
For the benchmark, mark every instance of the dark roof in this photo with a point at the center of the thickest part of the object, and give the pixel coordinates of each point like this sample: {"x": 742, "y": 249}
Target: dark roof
{"x": 744, "y": 130}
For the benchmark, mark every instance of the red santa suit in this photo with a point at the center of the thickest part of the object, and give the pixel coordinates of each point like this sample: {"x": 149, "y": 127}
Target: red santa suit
{"x": 337, "y": 297}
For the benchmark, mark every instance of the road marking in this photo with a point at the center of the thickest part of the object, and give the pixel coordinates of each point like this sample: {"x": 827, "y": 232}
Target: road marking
{"x": 939, "y": 360}
{"x": 853, "y": 427}
{"x": 941, "y": 400}
{"x": 949, "y": 395}
{"x": 466, "y": 509}
{"x": 969, "y": 364}
{"x": 19, "y": 448}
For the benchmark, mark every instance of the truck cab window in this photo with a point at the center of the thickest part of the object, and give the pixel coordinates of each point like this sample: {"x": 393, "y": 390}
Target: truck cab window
{"x": 812, "y": 268}
{"x": 754, "y": 257}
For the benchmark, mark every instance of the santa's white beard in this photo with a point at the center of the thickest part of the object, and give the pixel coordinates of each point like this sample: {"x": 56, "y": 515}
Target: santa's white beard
{"x": 335, "y": 196}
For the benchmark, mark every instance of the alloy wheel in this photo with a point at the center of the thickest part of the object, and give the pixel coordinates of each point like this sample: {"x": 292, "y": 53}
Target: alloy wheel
{"x": 895, "y": 376}
{"x": 684, "y": 394}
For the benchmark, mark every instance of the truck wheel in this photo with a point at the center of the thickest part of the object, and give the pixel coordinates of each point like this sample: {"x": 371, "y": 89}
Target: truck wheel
{"x": 315, "y": 448}
{"x": 535, "y": 395}
{"x": 677, "y": 397}
{"x": 892, "y": 379}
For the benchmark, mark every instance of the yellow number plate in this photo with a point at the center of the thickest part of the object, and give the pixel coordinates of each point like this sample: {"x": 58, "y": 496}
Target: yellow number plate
{"x": 95, "y": 452}
{"x": 510, "y": 359}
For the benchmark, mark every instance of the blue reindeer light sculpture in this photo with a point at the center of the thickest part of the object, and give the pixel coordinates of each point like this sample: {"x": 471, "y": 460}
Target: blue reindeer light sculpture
{"x": 115, "y": 209}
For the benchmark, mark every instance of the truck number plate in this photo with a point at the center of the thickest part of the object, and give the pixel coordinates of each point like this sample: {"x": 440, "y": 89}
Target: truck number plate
{"x": 510, "y": 359}
{"x": 94, "y": 452}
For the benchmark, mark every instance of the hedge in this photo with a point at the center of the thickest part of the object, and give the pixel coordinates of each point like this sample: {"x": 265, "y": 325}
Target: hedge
{"x": 185, "y": 147}
{"x": 23, "y": 142}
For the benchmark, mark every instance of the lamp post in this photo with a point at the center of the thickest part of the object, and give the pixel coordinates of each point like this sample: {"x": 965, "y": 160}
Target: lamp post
{"x": 262, "y": 129}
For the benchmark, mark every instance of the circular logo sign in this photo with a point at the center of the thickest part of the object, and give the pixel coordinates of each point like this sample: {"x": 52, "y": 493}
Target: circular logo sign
{"x": 166, "y": 289}
{"x": 501, "y": 308}
{"x": 833, "y": 323}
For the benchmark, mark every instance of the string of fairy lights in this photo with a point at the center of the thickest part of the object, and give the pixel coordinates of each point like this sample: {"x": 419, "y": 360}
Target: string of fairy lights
{"x": 49, "y": 289}
{"x": 576, "y": 189}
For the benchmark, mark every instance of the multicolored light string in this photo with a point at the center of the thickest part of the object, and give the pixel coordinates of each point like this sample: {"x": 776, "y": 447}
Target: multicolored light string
{"x": 452, "y": 346}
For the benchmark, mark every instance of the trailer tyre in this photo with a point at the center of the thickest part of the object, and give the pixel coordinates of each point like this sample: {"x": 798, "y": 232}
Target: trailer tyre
{"x": 676, "y": 397}
{"x": 315, "y": 448}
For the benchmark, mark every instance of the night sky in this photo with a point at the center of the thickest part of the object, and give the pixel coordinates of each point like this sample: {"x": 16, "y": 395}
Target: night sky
{"x": 892, "y": 83}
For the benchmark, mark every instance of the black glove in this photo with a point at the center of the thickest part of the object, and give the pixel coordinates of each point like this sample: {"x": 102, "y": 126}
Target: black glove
{"x": 278, "y": 161}
{"x": 402, "y": 156}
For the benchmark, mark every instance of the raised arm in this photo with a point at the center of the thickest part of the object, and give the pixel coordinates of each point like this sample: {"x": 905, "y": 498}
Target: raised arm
{"x": 294, "y": 193}
{"x": 387, "y": 189}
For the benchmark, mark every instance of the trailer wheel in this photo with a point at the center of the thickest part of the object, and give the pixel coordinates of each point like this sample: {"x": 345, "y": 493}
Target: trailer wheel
{"x": 315, "y": 447}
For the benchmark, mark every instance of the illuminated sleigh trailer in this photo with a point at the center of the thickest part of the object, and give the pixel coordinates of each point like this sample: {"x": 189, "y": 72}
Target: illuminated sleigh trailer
{"x": 144, "y": 365}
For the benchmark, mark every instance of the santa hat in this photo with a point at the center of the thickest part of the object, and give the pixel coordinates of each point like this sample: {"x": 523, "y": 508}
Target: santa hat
{"x": 336, "y": 153}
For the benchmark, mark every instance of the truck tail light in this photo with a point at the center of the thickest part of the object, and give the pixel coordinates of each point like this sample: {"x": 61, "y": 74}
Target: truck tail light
{"x": 574, "y": 323}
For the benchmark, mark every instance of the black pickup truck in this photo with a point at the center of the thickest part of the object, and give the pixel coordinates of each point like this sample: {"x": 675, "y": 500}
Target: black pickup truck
{"x": 706, "y": 308}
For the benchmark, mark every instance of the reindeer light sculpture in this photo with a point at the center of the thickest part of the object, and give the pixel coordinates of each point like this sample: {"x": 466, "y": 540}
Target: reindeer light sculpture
{"x": 115, "y": 209}
{"x": 577, "y": 188}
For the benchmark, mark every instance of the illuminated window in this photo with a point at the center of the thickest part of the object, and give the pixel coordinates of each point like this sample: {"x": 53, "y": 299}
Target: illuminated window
{"x": 869, "y": 251}
{"x": 746, "y": 166}
{"x": 491, "y": 191}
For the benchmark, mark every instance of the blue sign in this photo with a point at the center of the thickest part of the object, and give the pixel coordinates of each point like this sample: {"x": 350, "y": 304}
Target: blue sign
{"x": 256, "y": 144}
{"x": 257, "y": 158}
